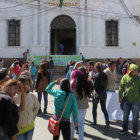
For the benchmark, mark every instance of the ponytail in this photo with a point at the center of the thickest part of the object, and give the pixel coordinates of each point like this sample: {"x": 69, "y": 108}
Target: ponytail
{"x": 65, "y": 86}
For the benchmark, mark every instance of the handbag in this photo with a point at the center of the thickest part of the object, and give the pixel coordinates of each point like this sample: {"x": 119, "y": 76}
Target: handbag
{"x": 53, "y": 125}
{"x": 124, "y": 95}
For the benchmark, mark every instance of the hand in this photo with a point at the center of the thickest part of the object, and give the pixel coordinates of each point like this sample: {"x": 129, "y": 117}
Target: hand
{"x": 58, "y": 80}
{"x": 75, "y": 124}
{"x": 20, "y": 85}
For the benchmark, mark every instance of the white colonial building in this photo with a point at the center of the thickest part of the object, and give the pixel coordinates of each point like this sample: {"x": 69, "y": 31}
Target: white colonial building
{"x": 97, "y": 28}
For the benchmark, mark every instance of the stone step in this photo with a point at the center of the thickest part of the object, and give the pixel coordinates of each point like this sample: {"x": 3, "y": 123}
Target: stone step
{"x": 59, "y": 70}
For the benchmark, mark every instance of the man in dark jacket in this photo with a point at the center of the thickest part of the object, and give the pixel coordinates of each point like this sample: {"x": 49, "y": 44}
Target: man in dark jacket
{"x": 50, "y": 67}
{"x": 100, "y": 95}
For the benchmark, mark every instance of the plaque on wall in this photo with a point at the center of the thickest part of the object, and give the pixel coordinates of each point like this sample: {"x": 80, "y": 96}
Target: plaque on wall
{"x": 68, "y": 3}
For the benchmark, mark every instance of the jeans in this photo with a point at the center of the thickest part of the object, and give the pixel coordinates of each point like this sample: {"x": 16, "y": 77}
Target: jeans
{"x": 26, "y": 136}
{"x": 128, "y": 106}
{"x": 33, "y": 79}
{"x": 81, "y": 119}
{"x": 65, "y": 128}
{"x": 45, "y": 94}
{"x": 51, "y": 74}
{"x": 103, "y": 107}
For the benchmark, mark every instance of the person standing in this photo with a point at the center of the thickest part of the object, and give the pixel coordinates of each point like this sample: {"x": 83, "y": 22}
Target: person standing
{"x": 118, "y": 65}
{"x": 68, "y": 75}
{"x": 60, "y": 98}
{"x": 90, "y": 70}
{"x": 28, "y": 115}
{"x": 26, "y": 55}
{"x": 100, "y": 94}
{"x": 17, "y": 69}
{"x": 3, "y": 77}
{"x": 130, "y": 86}
{"x": 83, "y": 58}
{"x": 28, "y": 74}
{"x": 33, "y": 71}
{"x": 43, "y": 79}
{"x": 112, "y": 104}
{"x": 44, "y": 60}
{"x": 111, "y": 76}
{"x": 8, "y": 111}
{"x": 105, "y": 65}
{"x": 50, "y": 67}
{"x": 80, "y": 87}
{"x": 61, "y": 49}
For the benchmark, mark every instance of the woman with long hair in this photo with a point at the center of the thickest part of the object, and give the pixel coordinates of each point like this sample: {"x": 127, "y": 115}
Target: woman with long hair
{"x": 80, "y": 87}
{"x": 25, "y": 71}
{"x": 100, "y": 94}
{"x": 9, "y": 112}
{"x": 43, "y": 79}
{"x": 60, "y": 98}
{"x": 28, "y": 115}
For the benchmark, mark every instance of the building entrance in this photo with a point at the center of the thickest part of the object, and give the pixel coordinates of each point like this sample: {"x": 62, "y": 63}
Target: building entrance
{"x": 63, "y": 32}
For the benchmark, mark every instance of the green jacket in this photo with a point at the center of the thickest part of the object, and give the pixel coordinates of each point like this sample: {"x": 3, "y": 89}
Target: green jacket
{"x": 130, "y": 86}
{"x": 59, "y": 102}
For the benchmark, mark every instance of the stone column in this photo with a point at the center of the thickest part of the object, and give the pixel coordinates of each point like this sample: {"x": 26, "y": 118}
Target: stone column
{"x": 89, "y": 28}
{"x": 82, "y": 27}
{"x": 43, "y": 29}
{"x": 35, "y": 24}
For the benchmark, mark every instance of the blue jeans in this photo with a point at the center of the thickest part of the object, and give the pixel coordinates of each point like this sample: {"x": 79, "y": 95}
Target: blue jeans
{"x": 128, "y": 106}
{"x": 104, "y": 110}
{"x": 81, "y": 119}
{"x": 26, "y": 136}
{"x": 33, "y": 79}
{"x": 45, "y": 94}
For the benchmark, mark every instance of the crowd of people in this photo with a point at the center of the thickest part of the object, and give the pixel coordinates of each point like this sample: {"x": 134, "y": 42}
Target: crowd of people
{"x": 97, "y": 82}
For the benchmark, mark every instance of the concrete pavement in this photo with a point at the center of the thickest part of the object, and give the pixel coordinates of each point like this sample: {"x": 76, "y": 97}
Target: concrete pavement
{"x": 99, "y": 133}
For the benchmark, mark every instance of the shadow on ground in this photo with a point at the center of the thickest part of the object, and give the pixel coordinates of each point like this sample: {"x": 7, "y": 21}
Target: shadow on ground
{"x": 113, "y": 133}
{"x": 45, "y": 116}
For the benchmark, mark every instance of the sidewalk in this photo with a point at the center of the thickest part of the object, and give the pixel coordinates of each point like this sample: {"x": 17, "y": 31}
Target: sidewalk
{"x": 99, "y": 133}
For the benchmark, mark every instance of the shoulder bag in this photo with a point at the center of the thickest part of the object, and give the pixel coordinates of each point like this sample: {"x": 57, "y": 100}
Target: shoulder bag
{"x": 53, "y": 125}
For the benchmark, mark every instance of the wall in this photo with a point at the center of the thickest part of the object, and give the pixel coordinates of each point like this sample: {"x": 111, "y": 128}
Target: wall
{"x": 19, "y": 13}
{"x": 90, "y": 29}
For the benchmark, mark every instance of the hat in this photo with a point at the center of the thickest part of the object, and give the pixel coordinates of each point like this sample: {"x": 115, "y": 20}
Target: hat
{"x": 132, "y": 68}
{"x": 3, "y": 73}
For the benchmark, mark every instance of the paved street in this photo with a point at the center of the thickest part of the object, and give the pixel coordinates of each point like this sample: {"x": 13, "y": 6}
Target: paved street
{"x": 99, "y": 133}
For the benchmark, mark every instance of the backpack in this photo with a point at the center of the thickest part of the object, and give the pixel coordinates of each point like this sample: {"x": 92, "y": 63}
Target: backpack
{"x": 43, "y": 83}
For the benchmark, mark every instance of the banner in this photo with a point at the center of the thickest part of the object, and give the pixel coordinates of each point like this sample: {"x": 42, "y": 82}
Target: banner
{"x": 59, "y": 60}
{"x": 113, "y": 107}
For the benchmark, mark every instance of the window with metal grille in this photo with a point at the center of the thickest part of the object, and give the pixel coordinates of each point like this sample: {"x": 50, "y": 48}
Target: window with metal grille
{"x": 13, "y": 33}
{"x": 111, "y": 33}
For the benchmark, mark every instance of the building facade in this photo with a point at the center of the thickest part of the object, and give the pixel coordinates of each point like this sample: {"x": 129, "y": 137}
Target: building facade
{"x": 97, "y": 28}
